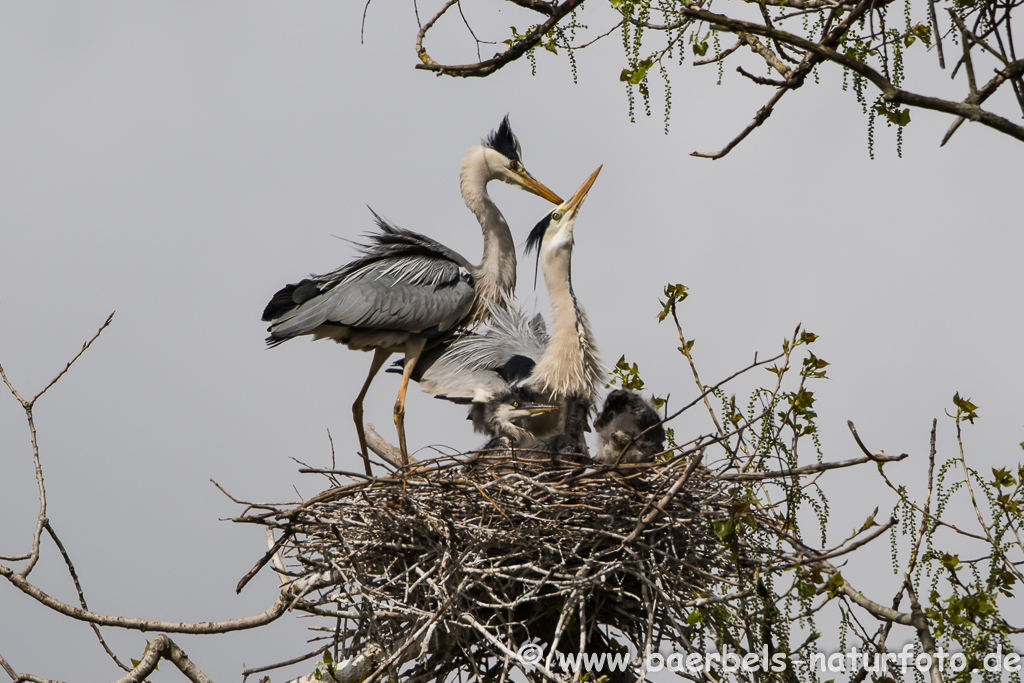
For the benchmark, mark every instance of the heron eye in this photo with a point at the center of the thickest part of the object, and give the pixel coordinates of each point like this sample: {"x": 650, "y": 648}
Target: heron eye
{"x": 515, "y": 404}
{"x": 556, "y": 216}
{"x": 515, "y": 166}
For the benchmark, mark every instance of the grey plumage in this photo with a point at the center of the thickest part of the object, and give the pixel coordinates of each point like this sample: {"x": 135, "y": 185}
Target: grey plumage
{"x": 517, "y": 352}
{"x": 501, "y": 418}
{"x": 401, "y": 284}
{"x": 629, "y": 429}
{"x": 483, "y": 365}
{"x": 404, "y": 290}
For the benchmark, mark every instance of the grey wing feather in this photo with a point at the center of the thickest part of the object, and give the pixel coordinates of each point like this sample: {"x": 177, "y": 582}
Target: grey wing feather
{"x": 540, "y": 330}
{"x": 480, "y": 386}
{"x": 380, "y": 301}
{"x": 382, "y": 304}
{"x": 473, "y": 362}
{"x": 401, "y": 281}
{"x": 418, "y": 258}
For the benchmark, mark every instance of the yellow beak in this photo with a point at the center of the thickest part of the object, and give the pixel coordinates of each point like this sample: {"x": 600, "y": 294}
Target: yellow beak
{"x": 531, "y": 184}
{"x": 576, "y": 201}
{"x": 537, "y": 408}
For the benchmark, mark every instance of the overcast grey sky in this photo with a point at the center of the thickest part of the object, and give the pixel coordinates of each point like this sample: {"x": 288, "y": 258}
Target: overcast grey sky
{"x": 179, "y": 162}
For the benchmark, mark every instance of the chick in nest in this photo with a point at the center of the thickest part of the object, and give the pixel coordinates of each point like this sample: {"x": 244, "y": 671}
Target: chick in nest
{"x": 629, "y": 429}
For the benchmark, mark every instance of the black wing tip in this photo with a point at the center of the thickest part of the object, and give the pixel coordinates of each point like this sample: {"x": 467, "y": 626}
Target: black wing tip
{"x": 289, "y": 298}
{"x": 503, "y": 140}
{"x": 516, "y": 369}
{"x": 457, "y": 400}
{"x": 383, "y": 223}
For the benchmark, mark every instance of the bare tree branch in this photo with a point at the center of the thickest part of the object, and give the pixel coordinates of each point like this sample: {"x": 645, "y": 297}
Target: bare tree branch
{"x": 889, "y": 92}
{"x": 282, "y": 604}
{"x": 760, "y": 117}
{"x": 81, "y": 594}
{"x": 32, "y": 556}
{"x": 163, "y": 647}
{"x": 489, "y": 66}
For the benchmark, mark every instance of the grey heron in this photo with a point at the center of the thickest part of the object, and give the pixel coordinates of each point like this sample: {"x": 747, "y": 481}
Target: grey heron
{"x": 517, "y": 352}
{"x": 502, "y": 417}
{"x": 405, "y": 290}
{"x": 629, "y": 429}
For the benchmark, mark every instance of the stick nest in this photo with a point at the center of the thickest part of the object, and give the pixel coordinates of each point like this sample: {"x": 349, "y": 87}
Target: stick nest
{"x": 457, "y": 564}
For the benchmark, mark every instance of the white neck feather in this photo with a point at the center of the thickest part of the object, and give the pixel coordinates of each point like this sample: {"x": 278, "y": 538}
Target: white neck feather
{"x": 570, "y": 365}
{"x": 496, "y": 274}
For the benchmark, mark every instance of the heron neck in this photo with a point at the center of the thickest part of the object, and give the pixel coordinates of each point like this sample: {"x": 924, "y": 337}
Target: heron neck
{"x": 496, "y": 274}
{"x": 569, "y": 365}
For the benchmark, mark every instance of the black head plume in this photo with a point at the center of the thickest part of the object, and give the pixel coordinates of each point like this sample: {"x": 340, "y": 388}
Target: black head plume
{"x": 533, "y": 242}
{"x": 505, "y": 141}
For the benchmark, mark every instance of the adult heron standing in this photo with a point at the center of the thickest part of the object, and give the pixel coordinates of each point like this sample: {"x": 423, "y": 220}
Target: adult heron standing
{"x": 517, "y": 353}
{"x": 405, "y": 290}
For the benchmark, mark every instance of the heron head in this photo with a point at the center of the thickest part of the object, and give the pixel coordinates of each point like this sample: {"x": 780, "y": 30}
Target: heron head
{"x": 504, "y": 160}
{"x": 510, "y": 408}
{"x": 555, "y": 229}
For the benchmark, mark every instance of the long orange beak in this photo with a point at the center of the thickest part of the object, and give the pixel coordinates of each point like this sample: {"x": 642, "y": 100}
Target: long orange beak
{"x": 531, "y": 184}
{"x": 576, "y": 201}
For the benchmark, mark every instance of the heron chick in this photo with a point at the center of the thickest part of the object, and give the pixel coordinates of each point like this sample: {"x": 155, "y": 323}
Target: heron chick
{"x": 405, "y": 290}
{"x": 629, "y": 429}
{"x": 502, "y": 417}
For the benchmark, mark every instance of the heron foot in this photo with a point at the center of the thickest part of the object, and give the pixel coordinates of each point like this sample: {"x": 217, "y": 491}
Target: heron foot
{"x": 357, "y": 417}
{"x": 400, "y": 428}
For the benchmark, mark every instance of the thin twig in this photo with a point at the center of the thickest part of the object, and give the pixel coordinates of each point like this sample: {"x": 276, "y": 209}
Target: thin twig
{"x": 81, "y": 594}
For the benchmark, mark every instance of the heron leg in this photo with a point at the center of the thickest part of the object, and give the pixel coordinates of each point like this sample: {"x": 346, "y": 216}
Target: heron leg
{"x": 413, "y": 349}
{"x": 380, "y": 356}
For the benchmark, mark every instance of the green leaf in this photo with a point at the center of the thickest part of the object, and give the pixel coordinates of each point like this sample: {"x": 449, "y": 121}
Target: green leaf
{"x": 1002, "y": 477}
{"x": 673, "y": 295}
{"x": 869, "y": 522}
{"x": 924, "y": 33}
{"x": 637, "y": 74}
{"x": 626, "y": 375}
{"x": 805, "y": 590}
{"x": 899, "y": 117}
{"x": 965, "y": 410}
{"x": 700, "y": 49}
{"x": 950, "y": 562}
{"x": 834, "y": 584}
{"x": 725, "y": 529}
